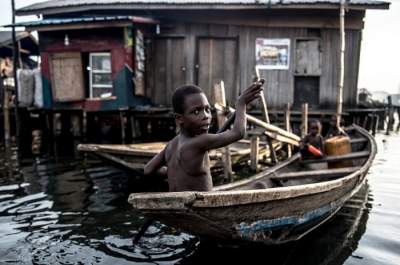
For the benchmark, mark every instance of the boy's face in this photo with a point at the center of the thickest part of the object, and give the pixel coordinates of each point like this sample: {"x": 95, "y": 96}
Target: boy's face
{"x": 196, "y": 117}
{"x": 333, "y": 121}
{"x": 314, "y": 128}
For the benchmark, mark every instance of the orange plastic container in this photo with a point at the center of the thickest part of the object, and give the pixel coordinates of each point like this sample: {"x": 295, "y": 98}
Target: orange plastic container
{"x": 338, "y": 145}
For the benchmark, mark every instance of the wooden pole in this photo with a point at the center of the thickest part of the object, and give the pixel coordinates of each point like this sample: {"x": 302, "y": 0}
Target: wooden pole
{"x": 254, "y": 152}
{"x": 219, "y": 97}
{"x": 304, "y": 119}
{"x": 389, "y": 124}
{"x": 287, "y": 128}
{"x": 6, "y": 120}
{"x": 16, "y": 88}
{"x": 263, "y": 101}
{"x": 339, "y": 99}
{"x": 274, "y": 131}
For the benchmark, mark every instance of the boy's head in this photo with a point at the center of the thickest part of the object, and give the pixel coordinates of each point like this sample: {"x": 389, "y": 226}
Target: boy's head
{"x": 178, "y": 98}
{"x": 192, "y": 110}
{"x": 333, "y": 121}
{"x": 315, "y": 127}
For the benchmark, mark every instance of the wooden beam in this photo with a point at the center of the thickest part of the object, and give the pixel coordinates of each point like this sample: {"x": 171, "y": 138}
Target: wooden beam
{"x": 254, "y": 152}
{"x": 304, "y": 119}
{"x": 219, "y": 97}
{"x": 118, "y": 161}
{"x": 287, "y": 128}
{"x": 316, "y": 173}
{"x": 355, "y": 155}
{"x": 105, "y": 24}
{"x": 358, "y": 140}
{"x": 272, "y": 131}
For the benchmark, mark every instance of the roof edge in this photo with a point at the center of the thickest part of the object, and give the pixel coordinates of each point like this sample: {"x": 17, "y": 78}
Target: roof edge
{"x": 68, "y": 9}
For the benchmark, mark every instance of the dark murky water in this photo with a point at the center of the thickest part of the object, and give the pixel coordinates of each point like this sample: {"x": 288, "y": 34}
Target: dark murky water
{"x": 66, "y": 212}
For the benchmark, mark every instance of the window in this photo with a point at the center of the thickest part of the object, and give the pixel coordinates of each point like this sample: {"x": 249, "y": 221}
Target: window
{"x": 100, "y": 75}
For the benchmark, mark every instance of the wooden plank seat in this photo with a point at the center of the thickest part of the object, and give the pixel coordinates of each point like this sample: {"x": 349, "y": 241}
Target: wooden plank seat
{"x": 354, "y": 155}
{"x": 358, "y": 140}
{"x": 315, "y": 173}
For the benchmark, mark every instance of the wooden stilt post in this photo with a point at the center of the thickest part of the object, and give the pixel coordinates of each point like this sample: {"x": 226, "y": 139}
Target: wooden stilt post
{"x": 254, "y": 152}
{"x": 365, "y": 122}
{"x": 84, "y": 125}
{"x": 274, "y": 158}
{"x": 132, "y": 121}
{"x": 376, "y": 121}
{"x": 287, "y": 128}
{"x": 16, "y": 84}
{"x": 304, "y": 119}
{"x": 122, "y": 122}
{"x": 390, "y": 116}
{"x": 6, "y": 122}
{"x": 219, "y": 98}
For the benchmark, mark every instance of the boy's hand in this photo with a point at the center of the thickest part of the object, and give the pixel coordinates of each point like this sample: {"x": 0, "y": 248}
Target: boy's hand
{"x": 251, "y": 93}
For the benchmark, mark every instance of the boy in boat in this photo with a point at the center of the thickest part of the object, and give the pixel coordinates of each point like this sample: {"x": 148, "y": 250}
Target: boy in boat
{"x": 312, "y": 145}
{"x": 334, "y": 130}
{"x": 185, "y": 158}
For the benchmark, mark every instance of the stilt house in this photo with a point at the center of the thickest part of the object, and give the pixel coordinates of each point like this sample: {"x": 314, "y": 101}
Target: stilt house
{"x": 111, "y": 54}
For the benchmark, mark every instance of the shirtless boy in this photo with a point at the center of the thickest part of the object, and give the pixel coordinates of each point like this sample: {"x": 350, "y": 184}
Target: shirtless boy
{"x": 334, "y": 130}
{"x": 185, "y": 158}
{"x": 313, "y": 138}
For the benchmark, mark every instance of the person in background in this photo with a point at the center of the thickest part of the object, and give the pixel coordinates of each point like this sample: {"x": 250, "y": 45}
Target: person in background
{"x": 333, "y": 129}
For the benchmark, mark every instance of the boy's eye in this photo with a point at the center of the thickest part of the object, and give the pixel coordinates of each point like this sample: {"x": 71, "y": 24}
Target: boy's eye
{"x": 196, "y": 112}
{"x": 208, "y": 110}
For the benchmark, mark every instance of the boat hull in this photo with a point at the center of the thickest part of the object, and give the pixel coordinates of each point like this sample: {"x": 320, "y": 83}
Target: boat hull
{"x": 244, "y": 212}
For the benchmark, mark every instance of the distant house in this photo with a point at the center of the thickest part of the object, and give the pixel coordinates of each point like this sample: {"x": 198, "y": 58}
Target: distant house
{"x": 110, "y": 54}
{"x": 395, "y": 99}
{"x": 28, "y": 44}
{"x": 28, "y": 47}
{"x": 380, "y": 96}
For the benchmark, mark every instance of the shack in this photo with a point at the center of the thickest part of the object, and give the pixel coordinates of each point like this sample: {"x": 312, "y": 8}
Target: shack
{"x": 294, "y": 43}
{"x": 112, "y": 54}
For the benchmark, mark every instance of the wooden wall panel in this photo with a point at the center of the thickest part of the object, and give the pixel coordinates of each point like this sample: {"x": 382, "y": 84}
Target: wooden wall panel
{"x": 67, "y": 76}
{"x": 330, "y": 67}
{"x": 168, "y": 66}
{"x": 217, "y": 60}
{"x": 279, "y": 87}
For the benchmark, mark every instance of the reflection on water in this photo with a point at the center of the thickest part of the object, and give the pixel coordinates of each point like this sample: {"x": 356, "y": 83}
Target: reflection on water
{"x": 68, "y": 212}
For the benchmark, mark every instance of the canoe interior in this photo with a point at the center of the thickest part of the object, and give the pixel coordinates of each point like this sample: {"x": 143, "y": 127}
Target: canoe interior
{"x": 297, "y": 172}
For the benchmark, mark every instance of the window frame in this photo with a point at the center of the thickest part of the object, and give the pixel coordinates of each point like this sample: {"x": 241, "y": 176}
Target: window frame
{"x": 95, "y": 71}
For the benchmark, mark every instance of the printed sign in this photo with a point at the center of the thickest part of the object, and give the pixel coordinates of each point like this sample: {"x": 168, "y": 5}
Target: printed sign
{"x": 272, "y": 53}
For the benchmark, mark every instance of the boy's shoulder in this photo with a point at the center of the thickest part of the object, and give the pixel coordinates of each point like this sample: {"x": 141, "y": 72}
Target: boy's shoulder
{"x": 172, "y": 142}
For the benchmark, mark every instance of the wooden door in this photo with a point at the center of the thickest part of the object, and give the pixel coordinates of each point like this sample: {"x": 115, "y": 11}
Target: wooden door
{"x": 67, "y": 76}
{"x": 217, "y": 60}
{"x": 169, "y": 69}
{"x": 306, "y": 90}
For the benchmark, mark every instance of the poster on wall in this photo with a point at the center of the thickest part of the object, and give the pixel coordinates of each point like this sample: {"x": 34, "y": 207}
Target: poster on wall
{"x": 139, "y": 64}
{"x": 272, "y": 53}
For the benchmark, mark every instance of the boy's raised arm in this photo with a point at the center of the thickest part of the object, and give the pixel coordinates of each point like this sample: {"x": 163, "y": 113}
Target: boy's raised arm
{"x": 211, "y": 141}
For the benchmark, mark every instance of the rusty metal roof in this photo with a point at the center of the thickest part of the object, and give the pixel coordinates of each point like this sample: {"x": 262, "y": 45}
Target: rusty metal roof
{"x": 63, "y": 6}
{"x": 76, "y": 20}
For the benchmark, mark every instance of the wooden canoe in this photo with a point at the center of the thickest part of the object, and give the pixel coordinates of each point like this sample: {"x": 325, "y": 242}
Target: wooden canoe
{"x": 277, "y": 205}
{"x": 133, "y": 157}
